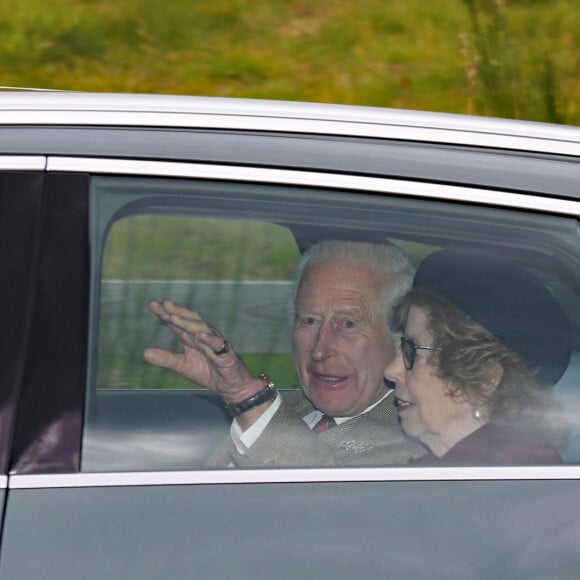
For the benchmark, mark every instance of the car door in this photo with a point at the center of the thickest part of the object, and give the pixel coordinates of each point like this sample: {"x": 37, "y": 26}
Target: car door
{"x": 107, "y": 466}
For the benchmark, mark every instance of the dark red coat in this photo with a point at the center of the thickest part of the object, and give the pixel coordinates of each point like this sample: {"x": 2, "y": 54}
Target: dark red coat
{"x": 496, "y": 445}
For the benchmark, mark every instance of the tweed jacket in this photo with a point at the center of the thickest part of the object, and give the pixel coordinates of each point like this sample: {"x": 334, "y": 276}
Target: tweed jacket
{"x": 374, "y": 438}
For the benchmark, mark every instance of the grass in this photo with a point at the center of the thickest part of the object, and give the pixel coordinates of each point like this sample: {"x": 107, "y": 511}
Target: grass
{"x": 510, "y": 78}
{"x": 397, "y": 53}
{"x": 132, "y": 372}
{"x": 153, "y": 247}
{"x": 168, "y": 248}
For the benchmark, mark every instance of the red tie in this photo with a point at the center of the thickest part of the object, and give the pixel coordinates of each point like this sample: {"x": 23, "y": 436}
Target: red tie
{"x": 324, "y": 423}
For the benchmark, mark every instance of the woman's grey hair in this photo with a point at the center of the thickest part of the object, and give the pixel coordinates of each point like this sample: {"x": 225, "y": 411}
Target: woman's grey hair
{"x": 387, "y": 258}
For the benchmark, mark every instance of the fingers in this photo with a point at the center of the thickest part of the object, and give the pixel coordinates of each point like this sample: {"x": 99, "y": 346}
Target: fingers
{"x": 158, "y": 309}
{"x": 161, "y": 358}
{"x": 179, "y": 317}
{"x": 207, "y": 358}
{"x": 166, "y": 309}
{"x": 224, "y": 349}
{"x": 210, "y": 343}
{"x": 190, "y": 327}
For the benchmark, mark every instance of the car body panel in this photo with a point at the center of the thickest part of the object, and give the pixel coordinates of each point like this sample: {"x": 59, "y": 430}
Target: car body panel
{"x": 272, "y": 530}
{"x": 138, "y": 510}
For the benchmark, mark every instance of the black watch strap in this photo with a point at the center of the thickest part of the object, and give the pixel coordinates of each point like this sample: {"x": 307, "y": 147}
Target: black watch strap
{"x": 268, "y": 393}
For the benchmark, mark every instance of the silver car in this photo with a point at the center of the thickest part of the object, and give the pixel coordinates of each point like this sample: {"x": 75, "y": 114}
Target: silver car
{"x": 109, "y": 200}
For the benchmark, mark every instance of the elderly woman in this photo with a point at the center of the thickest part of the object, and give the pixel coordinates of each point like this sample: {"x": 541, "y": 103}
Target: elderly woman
{"x": 481, "y": 343}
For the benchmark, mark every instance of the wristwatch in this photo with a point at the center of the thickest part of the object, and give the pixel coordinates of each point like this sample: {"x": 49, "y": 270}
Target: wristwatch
{"x": 268, "y": 393}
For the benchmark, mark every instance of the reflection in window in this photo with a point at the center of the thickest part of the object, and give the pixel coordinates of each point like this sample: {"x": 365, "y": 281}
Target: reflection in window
{"x": 157, "y": 239}
{"x": 235, "y": 273}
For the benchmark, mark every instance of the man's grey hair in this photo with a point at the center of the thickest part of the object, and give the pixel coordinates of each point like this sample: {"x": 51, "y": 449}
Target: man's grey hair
{"x": 388, "y": 258}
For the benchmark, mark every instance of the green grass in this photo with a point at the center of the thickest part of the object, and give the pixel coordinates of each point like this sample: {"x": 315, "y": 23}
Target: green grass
{"x": 537, "y": 79}
{"x": 153, "y": 247}
{"x": 185, "y": 248}
{"x": 397, "y": 53}
{"x": 132, "y": 372}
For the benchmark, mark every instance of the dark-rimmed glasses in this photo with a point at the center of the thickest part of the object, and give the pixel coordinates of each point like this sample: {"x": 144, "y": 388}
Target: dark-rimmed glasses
{"x": 409, "y": 350}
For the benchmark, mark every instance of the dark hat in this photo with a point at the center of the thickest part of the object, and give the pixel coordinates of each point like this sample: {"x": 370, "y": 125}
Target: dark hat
{"x": 506, "y": 300}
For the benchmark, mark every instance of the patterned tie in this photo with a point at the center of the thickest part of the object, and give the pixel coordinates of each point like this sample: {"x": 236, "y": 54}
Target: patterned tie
{"x": 324, "y": 424}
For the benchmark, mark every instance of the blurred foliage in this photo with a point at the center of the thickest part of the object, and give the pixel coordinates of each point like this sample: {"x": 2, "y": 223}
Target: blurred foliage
{"x": 510, "y": 58}
{"x": 522, "y": 63}
{"x": 156, "y": 247}
{"x": 146, "y": 248}
{"x": 132, "y": 372}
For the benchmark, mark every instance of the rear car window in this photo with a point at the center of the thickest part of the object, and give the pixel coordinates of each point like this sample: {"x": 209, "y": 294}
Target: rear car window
{"x": 229, "y": 251}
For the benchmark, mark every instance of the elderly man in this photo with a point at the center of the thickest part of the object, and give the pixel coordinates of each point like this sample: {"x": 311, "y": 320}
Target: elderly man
{"x": 344, "y": 413}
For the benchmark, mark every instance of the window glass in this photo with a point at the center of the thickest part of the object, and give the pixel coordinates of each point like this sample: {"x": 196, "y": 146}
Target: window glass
{"x": 229, "y": 251}
{"x": 235, "y": 273}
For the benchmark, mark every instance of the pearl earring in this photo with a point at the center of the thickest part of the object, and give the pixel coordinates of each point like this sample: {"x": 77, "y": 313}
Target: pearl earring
{"x": 478, "y": 413}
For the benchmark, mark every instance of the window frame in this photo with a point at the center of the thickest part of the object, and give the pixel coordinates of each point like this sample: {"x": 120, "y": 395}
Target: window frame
{"x": 331, "y": 181}
{"x": 86, "y": 166}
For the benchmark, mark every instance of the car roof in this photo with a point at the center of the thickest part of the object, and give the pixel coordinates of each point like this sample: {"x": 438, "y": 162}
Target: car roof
{"x": 115, "y": 109}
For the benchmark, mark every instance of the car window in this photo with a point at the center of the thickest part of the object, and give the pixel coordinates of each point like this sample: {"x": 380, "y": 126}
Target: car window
{"x": 235, "y": 273}
{"x": 229, "y": 251}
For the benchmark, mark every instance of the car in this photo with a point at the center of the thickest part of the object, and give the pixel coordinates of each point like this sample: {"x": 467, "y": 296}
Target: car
{"x": 109, "y": 200}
